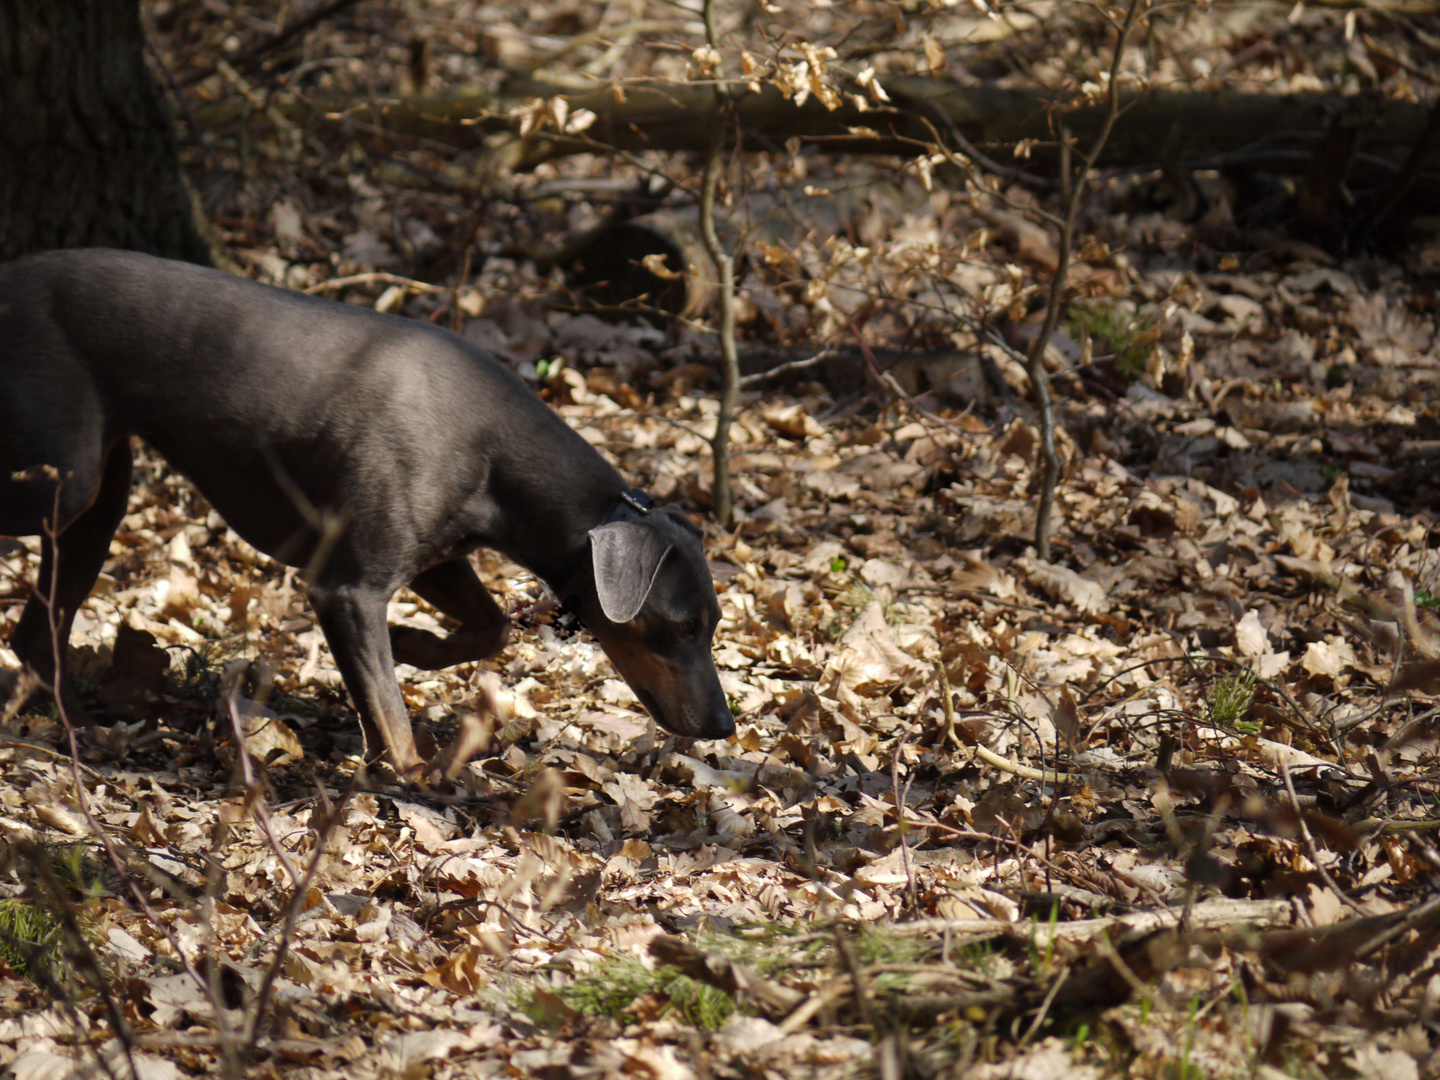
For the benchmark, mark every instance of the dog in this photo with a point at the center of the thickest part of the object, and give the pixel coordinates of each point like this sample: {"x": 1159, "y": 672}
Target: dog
{"x": 373, "y": 451}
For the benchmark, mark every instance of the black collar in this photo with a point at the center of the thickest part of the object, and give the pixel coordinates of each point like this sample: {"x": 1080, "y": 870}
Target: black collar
{"x": 634, "y": 503}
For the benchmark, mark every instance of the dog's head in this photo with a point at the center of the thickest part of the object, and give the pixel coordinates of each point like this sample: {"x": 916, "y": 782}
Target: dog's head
{"x": 654, "y": 612}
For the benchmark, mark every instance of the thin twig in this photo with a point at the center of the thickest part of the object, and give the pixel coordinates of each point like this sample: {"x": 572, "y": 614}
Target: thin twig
{"x": 725, "y": 270}
{"x": 1310, "y": 847}
{"x": 790, "y": 366}
{"x": 984, "y": 753}
{"x": 373, "y": 276}
{"x": 1073, "y": 189}
{"x": 323, "y": 833}
{"x": 901, "y": 794}
{"x": 250, "y": 781}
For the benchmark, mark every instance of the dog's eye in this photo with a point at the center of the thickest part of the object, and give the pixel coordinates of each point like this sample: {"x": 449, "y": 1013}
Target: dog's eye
{"x": 691, "y": 626}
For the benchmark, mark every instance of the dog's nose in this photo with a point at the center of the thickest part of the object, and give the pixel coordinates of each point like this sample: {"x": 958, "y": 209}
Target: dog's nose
{"x": 720, "y": 723}
{"x": 721, "y": 726}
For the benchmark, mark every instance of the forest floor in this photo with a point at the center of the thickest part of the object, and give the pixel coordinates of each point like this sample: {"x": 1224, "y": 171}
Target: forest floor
{"x": 1164, "y": 805}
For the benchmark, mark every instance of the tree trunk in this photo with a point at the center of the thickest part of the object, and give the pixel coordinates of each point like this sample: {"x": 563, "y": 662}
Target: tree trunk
{"x": 87, "y": 151}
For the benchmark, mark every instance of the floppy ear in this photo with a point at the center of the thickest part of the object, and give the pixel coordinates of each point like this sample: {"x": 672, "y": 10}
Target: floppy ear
{"x": 627, "y": 557}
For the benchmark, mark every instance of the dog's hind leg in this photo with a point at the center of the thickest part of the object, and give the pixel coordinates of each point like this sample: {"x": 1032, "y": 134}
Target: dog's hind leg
{"x": 455, "y": 589}
{"x": 69, "y": 565}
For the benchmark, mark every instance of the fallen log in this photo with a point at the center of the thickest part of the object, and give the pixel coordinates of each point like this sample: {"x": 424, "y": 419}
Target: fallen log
{"x": 1263, "y": 132}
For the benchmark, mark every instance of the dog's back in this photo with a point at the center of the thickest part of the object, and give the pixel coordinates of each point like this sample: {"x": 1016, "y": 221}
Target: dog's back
{"x": 152, "y": 333}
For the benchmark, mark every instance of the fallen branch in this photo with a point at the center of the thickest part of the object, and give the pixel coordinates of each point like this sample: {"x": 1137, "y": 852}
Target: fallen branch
{"x": 1255, "y": 131}
{"x": 1211, "y": 915}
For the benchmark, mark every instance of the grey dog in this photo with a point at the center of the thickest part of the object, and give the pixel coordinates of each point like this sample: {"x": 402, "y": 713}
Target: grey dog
{"x": 284, "y": 409}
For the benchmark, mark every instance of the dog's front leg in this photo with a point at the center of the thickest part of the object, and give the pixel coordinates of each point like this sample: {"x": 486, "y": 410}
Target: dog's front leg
{"x": 354, "y": 623}
{"x": 454, "y": 588}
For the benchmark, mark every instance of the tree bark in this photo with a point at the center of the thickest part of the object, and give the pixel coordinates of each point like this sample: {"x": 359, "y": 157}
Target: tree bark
{"x": 87, "y": 150}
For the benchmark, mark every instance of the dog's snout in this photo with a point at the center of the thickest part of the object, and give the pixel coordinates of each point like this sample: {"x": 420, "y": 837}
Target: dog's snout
{"x": 720, "y": 723}
{"x": 713, "y": 719}
{"x": 721, "y": 726}
{"x": 683, "y": 706}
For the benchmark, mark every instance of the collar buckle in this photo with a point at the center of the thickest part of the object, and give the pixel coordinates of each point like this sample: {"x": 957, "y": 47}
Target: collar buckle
{"x": 636, "y": 499}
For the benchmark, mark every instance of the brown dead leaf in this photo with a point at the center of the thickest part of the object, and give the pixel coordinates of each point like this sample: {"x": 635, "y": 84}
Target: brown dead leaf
{"x": 1062, "y": 583}
{"x": 791, "y": 421}
{"x": 1250, "y": 637}
{"x": 1066, "y": 717}
{"x": 147, "y": 832}
{"x": 542, "y": 801}
{"x": 463, "y": 973}
{"x": 431, "y": 827}
{"x": 1328, "y": 658}
{"x": 868, "y": 660}
{"x": 181, "y": 595}
{"x": 267, "y": 737}
{"x": 239, "y": 606}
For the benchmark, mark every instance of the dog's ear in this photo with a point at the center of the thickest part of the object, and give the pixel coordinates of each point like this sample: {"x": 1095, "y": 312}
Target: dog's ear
{"x": 627, "y": 557}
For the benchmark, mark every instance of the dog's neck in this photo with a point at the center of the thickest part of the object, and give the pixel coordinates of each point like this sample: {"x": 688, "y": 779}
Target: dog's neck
{"x": 539, "y": 511}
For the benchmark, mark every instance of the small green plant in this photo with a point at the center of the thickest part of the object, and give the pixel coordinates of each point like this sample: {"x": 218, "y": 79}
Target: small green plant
{"x": 979, "y": 956}
{"x": 1425, "y": 599}
{"x": 1039, "y": 960}
{"x": 32, "y": 933}
{"x": 1127, "y": 339}
{"x": 75, "y": 868}
{"x": 29, "y": 938}
{"x": 761, "y": 960}
{"x": 614, "y": 986}
{"x": 1050, "y": 941}
{"x": 1188, "y": 1069}
{"x": 196, "y": 676}
{"x": 876, "y": 948}
{"x": 1228, "y": 703}
{"x": 705, "y": 1006}
{"x": 611, "y": 987}
{"x": 293, "y": 704}
{"x": 838, "y": 564}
